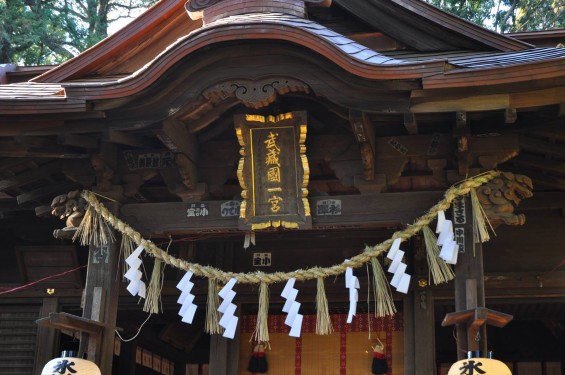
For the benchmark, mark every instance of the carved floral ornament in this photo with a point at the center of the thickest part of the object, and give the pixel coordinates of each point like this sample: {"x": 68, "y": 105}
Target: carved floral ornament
{"x": 255, "y": 94}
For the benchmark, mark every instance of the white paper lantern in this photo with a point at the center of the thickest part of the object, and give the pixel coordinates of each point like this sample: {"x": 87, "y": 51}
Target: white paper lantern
{"x": 70, "y": 366}
{"x": 479, "y": 366}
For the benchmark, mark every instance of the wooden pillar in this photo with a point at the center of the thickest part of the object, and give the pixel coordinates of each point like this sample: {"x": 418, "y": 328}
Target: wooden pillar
{"x": 101, "y": 299}
{"x": 419, "y": 333}
{"x": 47, "y": 342}
{"x": 224, "y": 353}
{"x": 469, "y": 282}
{"x": 127, "y": 358}
{"x": 409, "y": 334}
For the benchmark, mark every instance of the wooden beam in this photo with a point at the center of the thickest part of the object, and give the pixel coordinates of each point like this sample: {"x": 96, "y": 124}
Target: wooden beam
{"x": 176, "y": 137}
{"x": 381, "y": 210}
{"x": 428, "y": 101}
{"x": 75, "y": 140}
{"x": 539, "y": 163}
{"x": 552, "y": 132}
{"x": 214, "y": 114}
{"x": 478, "y": 316}
{"x": 43, "y": 211}
{"x": 48, "y": 192}
{"x": 127, "y": 139}
{"x": 9, "y": 163}
{"x": 475, "y": 320}
{"x": 69, "y": 322}
{"x": 79, "y": 171}
{"x": 47, "y": 150}
{"x": 42, "y": 172}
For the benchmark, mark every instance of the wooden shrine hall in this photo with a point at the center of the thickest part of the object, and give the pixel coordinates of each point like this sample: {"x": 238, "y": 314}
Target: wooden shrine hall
{"x": 283, "y": 162}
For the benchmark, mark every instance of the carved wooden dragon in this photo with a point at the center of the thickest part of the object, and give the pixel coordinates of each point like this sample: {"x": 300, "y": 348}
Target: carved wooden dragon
{"x": 499, "y": 196}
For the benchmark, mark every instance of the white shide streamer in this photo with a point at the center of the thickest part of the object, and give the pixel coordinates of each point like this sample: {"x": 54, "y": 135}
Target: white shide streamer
{"x": 186, "y": 299}
{"x": 136, "y": 286}
{"x": 291, "y": 307}
{"x": 227, "y": 308}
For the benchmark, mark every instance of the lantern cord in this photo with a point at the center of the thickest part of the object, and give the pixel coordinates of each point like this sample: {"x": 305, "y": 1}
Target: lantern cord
{"x": 138, "y": 331}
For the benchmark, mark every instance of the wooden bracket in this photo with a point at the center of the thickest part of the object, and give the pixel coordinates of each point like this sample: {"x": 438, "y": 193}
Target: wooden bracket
{"x": 363, "y": 131}
{"x": 176, "y": 137}
{"x": 69, "y": 322}
{"x": 410, "y": 123}
{"x": 475, "y": 319}
{"x": 510, "y": 115}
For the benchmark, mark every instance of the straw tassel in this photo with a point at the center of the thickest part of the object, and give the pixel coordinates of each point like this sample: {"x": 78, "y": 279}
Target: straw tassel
{"x": 93, "y": 229}
{"x": 126, "y": 248}
{"x": 261, "y": 333}
{"x": 323, "y": 321}
{"x": 153, "y": 298}
{"x": 383, "y": 296}
{"x": 441, "y": 272}
{"x": 480, "y": 219}
{"x": 212, "y": 325}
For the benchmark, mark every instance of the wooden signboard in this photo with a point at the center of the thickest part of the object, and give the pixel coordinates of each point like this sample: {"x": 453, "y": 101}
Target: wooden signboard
{"x": 273, "y": 171}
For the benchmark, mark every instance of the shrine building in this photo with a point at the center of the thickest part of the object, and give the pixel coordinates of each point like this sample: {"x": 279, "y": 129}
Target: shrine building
{"x": 290, "y": 187}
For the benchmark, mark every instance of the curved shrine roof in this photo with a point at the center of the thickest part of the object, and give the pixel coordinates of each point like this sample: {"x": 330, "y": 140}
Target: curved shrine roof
{"x": 92, "y": 75}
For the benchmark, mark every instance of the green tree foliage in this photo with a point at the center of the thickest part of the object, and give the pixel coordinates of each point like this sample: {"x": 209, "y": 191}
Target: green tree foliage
{"x": 526, "y": 15}
{"x": 476, "y": 11}
{"x": 34, "y": 32}
{"x": 31, "y": 33}
{"x": 508, "y": 15}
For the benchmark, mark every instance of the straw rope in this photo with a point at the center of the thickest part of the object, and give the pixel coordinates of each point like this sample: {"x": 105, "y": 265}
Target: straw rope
{"x": 357, "y": 261}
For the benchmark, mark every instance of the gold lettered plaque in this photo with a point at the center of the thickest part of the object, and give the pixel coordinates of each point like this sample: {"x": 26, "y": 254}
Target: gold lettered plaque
{"x": 273, "y": 171}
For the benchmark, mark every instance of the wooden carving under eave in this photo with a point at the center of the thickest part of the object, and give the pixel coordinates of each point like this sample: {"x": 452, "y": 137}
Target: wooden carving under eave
{"x": 69, "y": 207}
{"x": 104, "y": 173}
{"x": 255, "y": 94}
{"x": 363, "y": 130}
{"x": 499, "y": 196}
{"x": 273, "y": 171}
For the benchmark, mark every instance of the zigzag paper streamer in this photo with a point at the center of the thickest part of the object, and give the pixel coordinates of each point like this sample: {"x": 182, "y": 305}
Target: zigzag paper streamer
{"x": 393, "y": 248}
{"x": 291, "y": 307}
{"x": 227, "y": 308}
{"x": 352, "y": 283}
{"x": 400, "y": 280}
{"x": 136, "y": 286}
{"x": 449, "y": 248}
{"x": 186, "y": 299}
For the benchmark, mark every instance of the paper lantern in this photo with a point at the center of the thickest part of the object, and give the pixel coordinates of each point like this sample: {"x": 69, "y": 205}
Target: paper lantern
{"x": 479, "y": 366}
{"x": 69, "y": 365}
